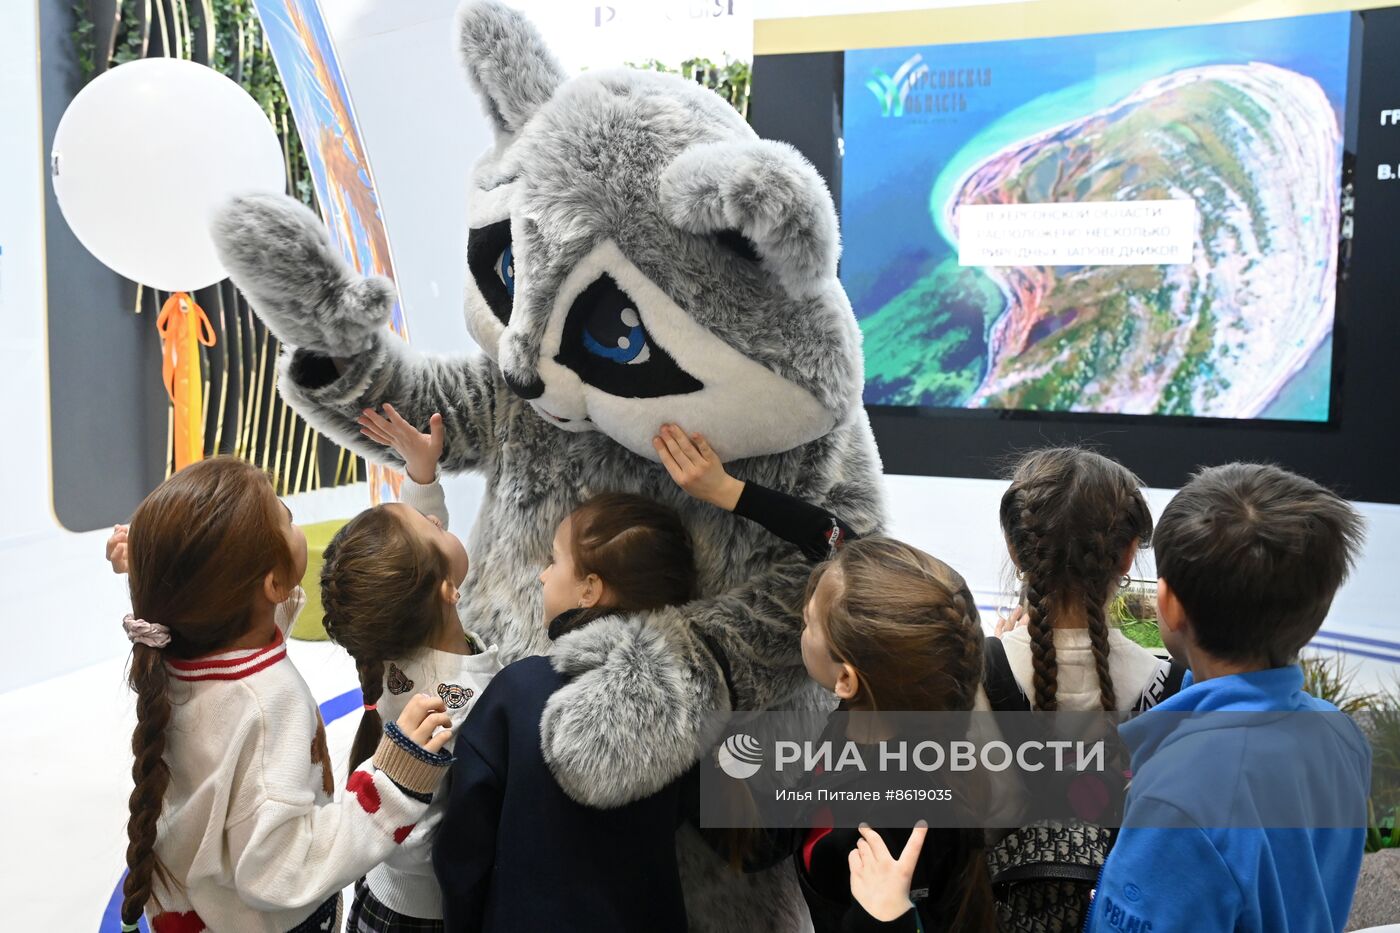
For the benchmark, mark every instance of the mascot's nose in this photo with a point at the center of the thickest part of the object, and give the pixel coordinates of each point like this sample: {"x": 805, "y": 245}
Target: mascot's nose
{"x": 529, "y": 391}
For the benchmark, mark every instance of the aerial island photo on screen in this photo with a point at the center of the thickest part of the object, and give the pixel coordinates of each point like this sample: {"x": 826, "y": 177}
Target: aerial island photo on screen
{"x": 1094, "y": 311}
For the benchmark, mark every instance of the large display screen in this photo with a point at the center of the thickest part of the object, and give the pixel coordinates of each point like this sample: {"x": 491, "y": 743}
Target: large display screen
{"x": 1136, "y": 223}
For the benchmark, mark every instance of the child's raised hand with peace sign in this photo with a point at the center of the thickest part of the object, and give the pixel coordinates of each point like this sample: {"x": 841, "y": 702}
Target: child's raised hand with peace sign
{"x": 879, "y": 881}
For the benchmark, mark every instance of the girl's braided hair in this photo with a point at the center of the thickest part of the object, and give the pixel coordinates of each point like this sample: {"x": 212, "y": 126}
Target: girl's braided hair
{"x": 1070, "y": 516}
{"x": 381, "y": 597}
{"x": 201, "y": 546}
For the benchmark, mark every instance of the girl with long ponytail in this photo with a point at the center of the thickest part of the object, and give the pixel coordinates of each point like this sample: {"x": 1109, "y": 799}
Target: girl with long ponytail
{"x": 232, "y": 825}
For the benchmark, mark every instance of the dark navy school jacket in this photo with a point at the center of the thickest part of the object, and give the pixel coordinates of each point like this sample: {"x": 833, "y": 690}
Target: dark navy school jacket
{"x": 515, "y": 853}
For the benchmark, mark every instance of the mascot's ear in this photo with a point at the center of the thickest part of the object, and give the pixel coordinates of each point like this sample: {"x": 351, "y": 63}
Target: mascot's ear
{"x": 765, "y": 191}
{"x": 507, "y": 62}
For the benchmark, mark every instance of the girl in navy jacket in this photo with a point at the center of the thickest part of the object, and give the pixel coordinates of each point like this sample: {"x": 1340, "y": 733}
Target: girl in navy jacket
{"x": 514, "y": 852}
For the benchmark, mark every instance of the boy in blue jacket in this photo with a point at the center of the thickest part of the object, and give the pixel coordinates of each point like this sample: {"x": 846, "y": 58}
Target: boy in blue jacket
{"x": 1247, "y": 808}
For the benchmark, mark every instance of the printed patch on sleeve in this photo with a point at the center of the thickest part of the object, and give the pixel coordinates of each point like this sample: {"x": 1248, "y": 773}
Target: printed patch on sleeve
{"x": 1117, "y": 917}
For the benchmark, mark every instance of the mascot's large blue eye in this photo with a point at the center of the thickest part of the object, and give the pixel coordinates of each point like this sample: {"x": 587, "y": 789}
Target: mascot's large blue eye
{"x": 606, "y": 343}
{"x": 505, "y": 268}
{"x": 492, "y": 264}
{"x": 618, "y": 337}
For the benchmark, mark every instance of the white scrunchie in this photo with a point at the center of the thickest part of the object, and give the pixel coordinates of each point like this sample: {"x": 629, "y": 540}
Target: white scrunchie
{"x": 141, "y": 632}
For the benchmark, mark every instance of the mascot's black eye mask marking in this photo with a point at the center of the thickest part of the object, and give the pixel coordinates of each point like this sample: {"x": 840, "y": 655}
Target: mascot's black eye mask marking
{"x": 492, "y": 264}
{"x": 605, "y": 343}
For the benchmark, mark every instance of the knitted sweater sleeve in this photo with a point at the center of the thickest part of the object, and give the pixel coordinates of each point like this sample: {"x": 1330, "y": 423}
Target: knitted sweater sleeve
{"x": 296, "y": 848}
{"x": 427, "y": 498}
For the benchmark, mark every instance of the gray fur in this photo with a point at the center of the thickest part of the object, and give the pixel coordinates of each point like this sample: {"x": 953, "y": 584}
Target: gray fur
{"x": 464, "y": 390}
{"x": 639, "y": 658}
{"x": 507, "y": 62}
{"x": 317, "y": 303}
{"x": 596, "y": 157}
{"x": 720, "y": 899}
{"x": 767, "y": 191}
{"x": 589, "y": 165}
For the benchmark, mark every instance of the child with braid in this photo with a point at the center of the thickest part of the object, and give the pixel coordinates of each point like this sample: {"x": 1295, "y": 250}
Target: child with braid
{"x": 233, "y": 825}
{"x": 1073, "y": 522}
{"x": 389, "y": 586}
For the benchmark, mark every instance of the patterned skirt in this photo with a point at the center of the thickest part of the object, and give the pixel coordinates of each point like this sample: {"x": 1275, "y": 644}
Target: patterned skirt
{"x": 368, "y": 915}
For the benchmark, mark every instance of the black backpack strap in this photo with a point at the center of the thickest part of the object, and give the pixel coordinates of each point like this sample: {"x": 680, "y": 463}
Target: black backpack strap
{"x": 1175, "y": 675}
{"x": 1166, "y": 683}
{"x": 1003, "y": 691}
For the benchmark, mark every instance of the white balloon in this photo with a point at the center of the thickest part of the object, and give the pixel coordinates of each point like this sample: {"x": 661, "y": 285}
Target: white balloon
{"x": 143, "y": 157}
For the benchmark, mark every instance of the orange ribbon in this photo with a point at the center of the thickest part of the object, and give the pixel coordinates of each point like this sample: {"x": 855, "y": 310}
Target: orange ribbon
{"x": 183, "y": 326}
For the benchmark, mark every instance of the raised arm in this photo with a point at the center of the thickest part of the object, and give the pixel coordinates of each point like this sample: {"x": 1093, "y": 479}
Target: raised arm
{"x": 292, "y": 851}
{"x": 339, "y": 356}
{"x": 697, "y": 469}
{"x": 420, "y": 451}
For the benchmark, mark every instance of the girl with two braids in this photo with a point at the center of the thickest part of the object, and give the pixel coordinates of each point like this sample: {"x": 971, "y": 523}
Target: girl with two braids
{"x": 389, "y": 589}
{"x": 233, "y": 825}
{"x": 1074, "y": 521}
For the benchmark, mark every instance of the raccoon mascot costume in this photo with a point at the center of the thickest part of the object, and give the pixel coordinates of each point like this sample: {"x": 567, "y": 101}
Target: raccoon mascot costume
{"x": 637, "y": 256}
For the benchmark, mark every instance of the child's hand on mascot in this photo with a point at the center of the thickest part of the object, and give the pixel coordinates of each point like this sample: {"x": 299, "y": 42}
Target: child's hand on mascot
{"x": 116, "y": 549}
{"x": 879, "y": 881}
{"x": 420, "y": 452}
{"x": 426, "y": 723}
{"x": 696, "y": 468}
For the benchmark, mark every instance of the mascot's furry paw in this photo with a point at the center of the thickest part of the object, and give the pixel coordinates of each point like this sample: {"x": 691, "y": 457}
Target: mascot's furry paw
{"x": 630, "y": 721}
{"x": 277, "y": 252}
